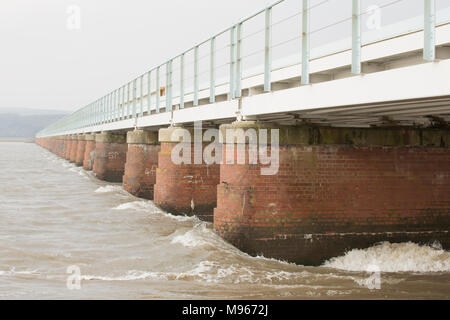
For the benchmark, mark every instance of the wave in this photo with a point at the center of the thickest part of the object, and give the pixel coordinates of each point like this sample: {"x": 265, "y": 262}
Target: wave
{"x": 109, "y": 189}
{"x": 150, "y": 207}
{"x": 135, "y": 205}
{"x": 394, "y": 257}
{"x": 210, "y": 272}
{"x": 13, "y": 271}
{"x": 80, "y": 171}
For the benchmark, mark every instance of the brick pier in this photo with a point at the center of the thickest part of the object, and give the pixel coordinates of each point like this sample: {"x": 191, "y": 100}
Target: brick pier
{"x": 184, "y": 188}
{"x": 337, "y": 189}
{"x": 110, "y": 156}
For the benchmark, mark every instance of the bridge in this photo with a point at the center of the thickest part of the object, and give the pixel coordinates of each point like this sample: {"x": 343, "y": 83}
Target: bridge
{"x": 361, "y": 101}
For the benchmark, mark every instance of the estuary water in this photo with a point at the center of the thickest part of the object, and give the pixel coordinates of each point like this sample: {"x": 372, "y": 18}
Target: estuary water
{"x": 58, "y": 221}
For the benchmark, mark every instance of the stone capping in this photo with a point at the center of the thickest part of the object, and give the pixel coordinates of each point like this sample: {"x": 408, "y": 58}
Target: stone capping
{"x": 317, "y": 135}
{"x": 108, "y": 137}
{"x": 80, "y": 137}
{"x": 142, "y": 137}
{"x": 89, "y": 137}
{"x": 165, "y": 134}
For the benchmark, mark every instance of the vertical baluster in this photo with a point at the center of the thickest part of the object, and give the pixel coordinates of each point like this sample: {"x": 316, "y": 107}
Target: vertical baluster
{"x": 232, "y": 61}
{"x": 429, "y": 49}
{"x": 142, "y": 95}
{"x": 196, "y": 76}
{"x": 305, "y": 42}
{"x": 182, "y": 81}
{"x": 239, "y": 61}
{"x": 158, "y": 89}
{"x": 149, "y": 93}
{"x": 356, "y": 37}
{"x": 128, "y": 100}
{"x": 169, "y": 86}
{"x": 134, "y": 98}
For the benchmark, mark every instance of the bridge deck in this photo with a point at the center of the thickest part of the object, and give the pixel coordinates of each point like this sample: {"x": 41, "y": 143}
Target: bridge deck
{"x": 396, "y": 86}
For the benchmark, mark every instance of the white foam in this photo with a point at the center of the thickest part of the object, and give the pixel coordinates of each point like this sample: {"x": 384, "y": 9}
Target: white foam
{"x": 130, "y": 276}
{"x": 399, "y": 257}
{"x": 109, "y": 189}
{"x": 136, "y": 205}
{"x": 13, "y": 271}
{"x": 181, "y": 218}
{"x": 193, "y": 238}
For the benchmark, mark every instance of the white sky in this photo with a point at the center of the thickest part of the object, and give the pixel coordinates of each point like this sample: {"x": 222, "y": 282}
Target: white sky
{"x": 45, "y": 65}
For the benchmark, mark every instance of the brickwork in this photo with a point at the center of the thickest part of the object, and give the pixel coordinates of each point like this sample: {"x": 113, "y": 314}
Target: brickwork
{"x": 186, "y": 188}
{"x": 326, "y": 198}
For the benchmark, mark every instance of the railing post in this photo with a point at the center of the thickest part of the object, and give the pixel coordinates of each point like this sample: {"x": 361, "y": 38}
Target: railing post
{"x": 356, "y": 37}
{"x": 169, "y": 86}
{"x": 104, "y": 110}
{"x": 239, "y": 61}
{"x": 429, "y": 49}
{"x": 134, "y": 98}
{"x": 123, "y": 103}
{"x": 158, "y": 89}
{"x": 268, "y": 51}
{"x": 107, "y": 108}
{"x": 142, "y": 96}
{"x": 196, "y": 76}
{"x": 182, "y": 81}
{"x": 149, "y": 93}
{"x": 116, "y": 104}
{"x": 110, "y": 107}
{"x": 212, "y": 77}
{"x": 232, "y": 61}
{"x": 305, "y": 42}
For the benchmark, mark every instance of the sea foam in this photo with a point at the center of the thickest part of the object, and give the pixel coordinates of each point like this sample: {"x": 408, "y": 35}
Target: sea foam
{"x": 394, "y": 257}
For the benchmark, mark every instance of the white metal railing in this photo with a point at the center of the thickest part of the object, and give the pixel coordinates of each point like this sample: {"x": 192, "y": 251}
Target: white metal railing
{"x": 283, "y": 34}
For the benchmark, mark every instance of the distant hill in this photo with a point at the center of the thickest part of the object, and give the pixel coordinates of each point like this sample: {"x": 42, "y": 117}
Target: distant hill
{"x": 25, "y": 122}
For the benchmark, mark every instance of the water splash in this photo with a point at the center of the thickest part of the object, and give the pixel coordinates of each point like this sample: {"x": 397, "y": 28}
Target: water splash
{"x": 394, "y": 257}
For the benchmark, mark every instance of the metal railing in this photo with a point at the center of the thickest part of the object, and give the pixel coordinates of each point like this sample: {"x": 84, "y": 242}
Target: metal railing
{"x": 284, "y": 33}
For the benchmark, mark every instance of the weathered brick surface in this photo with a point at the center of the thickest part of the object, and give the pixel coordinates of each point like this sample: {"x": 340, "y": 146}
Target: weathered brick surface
{"x": 110, "y": 157}
{"x": 67, "y": 148}
{"x": 81, "y": 147}
{"x": 142, "y": 161}
{"x": 326, "y": 199}
{"x": 187, "y": 188}
{"x": 73, "y": 149}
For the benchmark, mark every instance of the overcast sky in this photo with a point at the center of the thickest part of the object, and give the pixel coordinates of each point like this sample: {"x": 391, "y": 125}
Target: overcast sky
{"x": 46, "y": 64}
{"x": 43, "y": 64}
